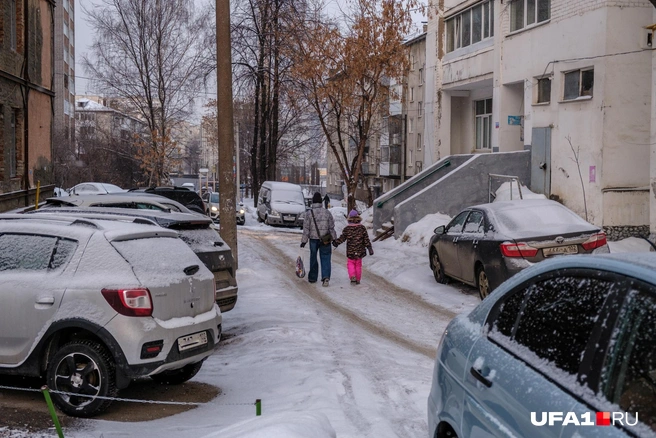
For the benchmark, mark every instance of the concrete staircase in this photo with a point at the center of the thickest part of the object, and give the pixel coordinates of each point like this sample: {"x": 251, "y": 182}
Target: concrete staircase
{"x": 448, "y": 186}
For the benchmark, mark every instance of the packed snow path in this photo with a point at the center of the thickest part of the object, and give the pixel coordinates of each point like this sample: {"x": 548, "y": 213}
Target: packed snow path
{"x": 375, "y": 305}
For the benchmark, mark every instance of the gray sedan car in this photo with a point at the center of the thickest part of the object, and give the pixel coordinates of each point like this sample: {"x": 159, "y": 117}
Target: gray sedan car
{"x": 486, "y": 244}
{"x": 92, "y": 304}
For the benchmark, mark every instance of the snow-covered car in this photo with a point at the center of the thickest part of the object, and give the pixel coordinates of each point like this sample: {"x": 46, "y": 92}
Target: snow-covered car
{"x": 94, "y": 188}
{"x": 183, "y": 195}
{"x": 138, "y": 201}
{"x": 92, "y": 304}
{"x": 195, "y": 230}
{"x": 486, "y": 244}
{"x": 211, "y": 200}
{"x": 561, "y": 348}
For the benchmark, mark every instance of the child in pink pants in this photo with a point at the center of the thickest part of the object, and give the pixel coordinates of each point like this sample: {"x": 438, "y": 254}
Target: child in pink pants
{"x": 357, "y": 242}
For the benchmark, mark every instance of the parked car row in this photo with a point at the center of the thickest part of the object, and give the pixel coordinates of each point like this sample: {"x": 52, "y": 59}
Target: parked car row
{"x": 93, "y": 300}
{"x": 102, "y": 289}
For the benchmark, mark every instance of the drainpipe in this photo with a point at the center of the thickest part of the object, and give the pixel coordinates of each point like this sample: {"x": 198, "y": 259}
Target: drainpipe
{"x": 26, "y": 77}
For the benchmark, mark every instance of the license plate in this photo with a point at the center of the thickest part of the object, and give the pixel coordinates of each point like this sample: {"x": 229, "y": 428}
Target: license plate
{"x": 289, "y": 218}
{"x": 191, "y": 341}
{"x": 560, "y": 250}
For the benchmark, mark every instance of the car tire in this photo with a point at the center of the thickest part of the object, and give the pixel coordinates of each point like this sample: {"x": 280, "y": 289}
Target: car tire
{"x": 176, "y": 377}
{"x": 84, "y": 367}
{"x": 438, "y": 270}
{"x": 259, "y": 219}
{"x": 482, "y": 283}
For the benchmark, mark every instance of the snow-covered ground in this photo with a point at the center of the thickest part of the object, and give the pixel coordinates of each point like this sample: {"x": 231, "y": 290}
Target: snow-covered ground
{"x": 326, "y": 362}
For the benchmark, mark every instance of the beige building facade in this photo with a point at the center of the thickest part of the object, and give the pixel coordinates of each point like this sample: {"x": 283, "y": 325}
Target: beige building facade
{"x": 568, "y": 80}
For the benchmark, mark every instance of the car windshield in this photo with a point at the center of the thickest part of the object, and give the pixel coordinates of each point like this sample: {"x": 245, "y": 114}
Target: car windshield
{"x": 288, "y": 197}
{"x": 522, "y": 218}
{"x": 214, "y": 198}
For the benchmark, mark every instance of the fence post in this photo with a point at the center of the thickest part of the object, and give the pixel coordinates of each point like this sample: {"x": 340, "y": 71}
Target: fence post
{"x": 258, "y": 407}
{"x": 51, "y": 408}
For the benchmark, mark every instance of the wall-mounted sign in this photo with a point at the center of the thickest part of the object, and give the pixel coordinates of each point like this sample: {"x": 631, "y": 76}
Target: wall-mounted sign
{"x": 514, "y": 120}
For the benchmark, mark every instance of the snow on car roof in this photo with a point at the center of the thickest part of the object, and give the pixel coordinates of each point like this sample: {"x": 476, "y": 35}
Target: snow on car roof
{"x": 155, "y": 215}
{"x": 76, "y": 227}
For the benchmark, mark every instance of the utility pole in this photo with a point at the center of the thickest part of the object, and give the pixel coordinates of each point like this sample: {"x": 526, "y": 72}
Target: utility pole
{"x": 225, "y": 123}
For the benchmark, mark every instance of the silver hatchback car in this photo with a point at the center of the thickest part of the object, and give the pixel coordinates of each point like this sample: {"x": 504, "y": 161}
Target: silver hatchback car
{"x": 92, "y": 304}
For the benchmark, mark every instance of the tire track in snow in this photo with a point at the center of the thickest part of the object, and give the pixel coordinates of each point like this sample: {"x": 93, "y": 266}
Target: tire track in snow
{"x": 377, "y": 290}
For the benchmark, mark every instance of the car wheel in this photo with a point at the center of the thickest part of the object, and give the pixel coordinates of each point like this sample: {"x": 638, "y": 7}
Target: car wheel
{"x": 438, "y": 270}
{"x": 86, "y": 368}
{"x": 259, "y": 219}
{"x": 483, "y": 283}
{"x": 176, "y": 377}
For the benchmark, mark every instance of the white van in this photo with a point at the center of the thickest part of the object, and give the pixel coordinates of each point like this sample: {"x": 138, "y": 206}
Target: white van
{"x": 281, "y": 203}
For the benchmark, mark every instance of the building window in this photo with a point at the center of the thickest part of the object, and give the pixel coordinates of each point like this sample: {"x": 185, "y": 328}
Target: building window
{"x": 412, "y": 94}
{"x": 483, "y": 124}
{"x": 524, "y": 13}
{"x": 421, "y": 76}
{"x": 544, "y": 90}
{"x": 12, "y": 24}
{"x": 412, "y": 62}
{"x": 470, "y": 26}
{"x": 418, "y": 142}
{"x": 12, "y": 144}
{"x": 410, "y": 125}
{"x": 578, "y": 83}
{"x": 420, "y": 109}
{"x": 410, "y": 158}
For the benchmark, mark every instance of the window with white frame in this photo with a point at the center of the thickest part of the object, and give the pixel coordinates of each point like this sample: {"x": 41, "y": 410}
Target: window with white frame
{"x": 470, "y": 26}
{"x": 544, "y": 90}
{"x": 524, "y": 13}
{"x": 483, "y": 124}
{"x": 410, "y": 158}
{"x": 412, "y": 94}
{"x": 420, "y": 109}
{"x": 421, "y": 76}
{"x": 578, "y": 83}
{"x": 418, "y": 142}
{"x": 412, "y": 62}
{"x": 410, "y": 125}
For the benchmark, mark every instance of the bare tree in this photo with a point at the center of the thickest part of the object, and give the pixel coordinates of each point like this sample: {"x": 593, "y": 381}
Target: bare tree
{"x": 343, "y": 69}
{"x": 147, "y": 53}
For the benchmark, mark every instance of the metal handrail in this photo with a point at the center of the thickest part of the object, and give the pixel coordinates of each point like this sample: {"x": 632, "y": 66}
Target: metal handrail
{"x": 511, "y": 177}
{"x": 447, "y": 163}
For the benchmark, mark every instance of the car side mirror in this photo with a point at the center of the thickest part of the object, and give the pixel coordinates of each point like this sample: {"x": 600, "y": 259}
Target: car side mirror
{"x": 241, "y": 204}
{"x": 440, "y": 230}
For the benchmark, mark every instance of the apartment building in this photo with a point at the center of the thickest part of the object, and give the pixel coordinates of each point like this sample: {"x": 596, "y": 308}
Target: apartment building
{"x": 26, "y": 94}
{"x": 414, "y": 105}
{"x": 569, "y": 80}
{"x": 64, "y": 48}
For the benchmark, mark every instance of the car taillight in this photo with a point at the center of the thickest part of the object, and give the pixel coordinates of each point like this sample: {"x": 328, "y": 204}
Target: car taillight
{"x": 130, "y": 302}
{"x": 521, "y": 249}
{"x": 595, "y": 241}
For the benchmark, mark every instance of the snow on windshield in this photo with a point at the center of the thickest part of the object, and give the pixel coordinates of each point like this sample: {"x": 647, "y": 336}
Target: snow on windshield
{"x": 159, "y": 261}
{"x": 539, "y": 218}
{"x": 287, "y": 197}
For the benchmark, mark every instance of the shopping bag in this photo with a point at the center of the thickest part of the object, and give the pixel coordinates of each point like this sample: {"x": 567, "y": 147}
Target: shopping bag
{"x": 300, "y": 270}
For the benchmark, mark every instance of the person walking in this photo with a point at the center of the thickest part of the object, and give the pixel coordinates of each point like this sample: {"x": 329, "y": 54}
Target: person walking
{"x": 357, "y": 243}
{"x": 318, "y": 225}
{"x": 326, "y": 202}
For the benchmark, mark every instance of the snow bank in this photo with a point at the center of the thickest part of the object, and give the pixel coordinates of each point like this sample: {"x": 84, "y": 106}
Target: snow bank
{"x": 283, "y": 425}
{"x": 420, "y": 233}
{"x": 632, "y": 244}
{"x": 504, "y": 193}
